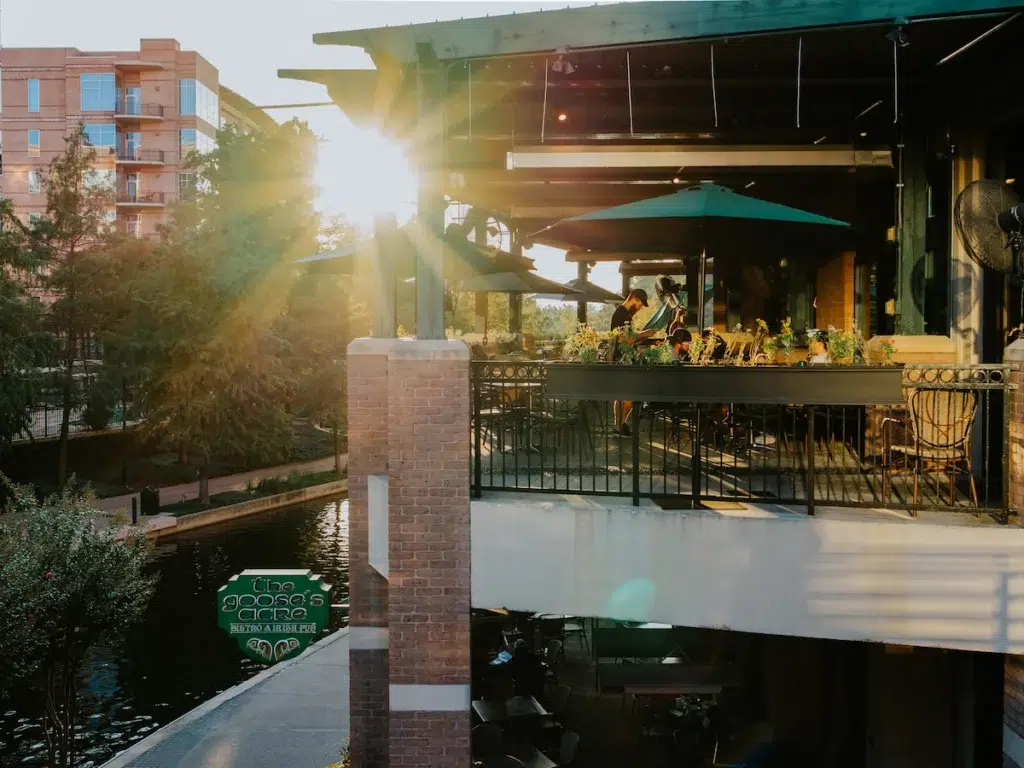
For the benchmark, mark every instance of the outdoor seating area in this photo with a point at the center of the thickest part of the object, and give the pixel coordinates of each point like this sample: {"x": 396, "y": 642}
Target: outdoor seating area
{"x": 553, "y": 690}
{"x": 941, "y": 447}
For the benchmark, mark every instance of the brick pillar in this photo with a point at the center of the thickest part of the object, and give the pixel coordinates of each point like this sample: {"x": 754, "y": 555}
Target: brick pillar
{"x": 368, "y": 588}
{"x": 428, "y": 553}
{"x": 1014, "y": 354}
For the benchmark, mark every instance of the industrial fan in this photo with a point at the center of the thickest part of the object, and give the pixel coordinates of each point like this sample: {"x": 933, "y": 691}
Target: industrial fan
{"x": 989, "y": 219}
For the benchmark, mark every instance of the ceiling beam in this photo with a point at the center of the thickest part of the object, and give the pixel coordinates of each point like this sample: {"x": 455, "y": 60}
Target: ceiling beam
{"x": 578, "y": 256}
{"x": 640, "y": 269}
{"x": 667, "y": 156}
{"x": 624, "y": 24}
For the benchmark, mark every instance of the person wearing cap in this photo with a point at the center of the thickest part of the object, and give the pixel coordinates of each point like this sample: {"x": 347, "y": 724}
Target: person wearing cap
{"x": 679, "y": 342}
{"x": 622, "y": 317}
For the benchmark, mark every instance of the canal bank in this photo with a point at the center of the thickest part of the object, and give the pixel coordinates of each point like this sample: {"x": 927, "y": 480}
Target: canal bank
{"x": 294, "y": 714}
{"x": 162, "y": 526}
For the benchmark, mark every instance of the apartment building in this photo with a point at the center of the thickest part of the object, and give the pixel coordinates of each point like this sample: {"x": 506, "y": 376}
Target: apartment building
{"x": 143, "y": 111}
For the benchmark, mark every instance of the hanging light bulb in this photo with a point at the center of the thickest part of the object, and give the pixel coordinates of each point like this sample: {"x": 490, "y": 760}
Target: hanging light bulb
{"x": 562, "y": 117}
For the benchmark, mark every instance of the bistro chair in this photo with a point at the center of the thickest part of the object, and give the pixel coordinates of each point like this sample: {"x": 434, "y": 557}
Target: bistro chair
{"x": 551, "y": 654}
{"x": 940, "y": 427}
{"x": 573, "y": 627}
{"x": 570, "y": 746}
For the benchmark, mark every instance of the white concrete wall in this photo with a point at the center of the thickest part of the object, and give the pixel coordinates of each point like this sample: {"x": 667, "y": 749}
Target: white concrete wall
{"x": 851, "y": 574}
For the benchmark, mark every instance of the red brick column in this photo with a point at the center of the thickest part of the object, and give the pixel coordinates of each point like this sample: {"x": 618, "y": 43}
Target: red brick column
{"x": 1014, "y": 354}
{"x": 429, "y": 566}
{"x": 368, "y": 589}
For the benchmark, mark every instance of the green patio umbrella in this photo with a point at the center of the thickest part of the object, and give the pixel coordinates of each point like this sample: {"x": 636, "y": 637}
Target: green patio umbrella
{"x": 582, "y": 290}
{"x": 707, "y": 216}
{"x": 515, "y": 282}
{"x": 463, "y": 258}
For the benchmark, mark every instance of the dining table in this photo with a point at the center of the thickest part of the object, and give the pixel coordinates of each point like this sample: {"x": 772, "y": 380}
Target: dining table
{"x": 490, "y": 711}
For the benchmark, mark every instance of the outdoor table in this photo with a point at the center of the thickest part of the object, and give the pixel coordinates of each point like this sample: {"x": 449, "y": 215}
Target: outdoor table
{"x": 657, "y": 679}
{"x": 529, "y": 755}
{"x": 500, "y": 711}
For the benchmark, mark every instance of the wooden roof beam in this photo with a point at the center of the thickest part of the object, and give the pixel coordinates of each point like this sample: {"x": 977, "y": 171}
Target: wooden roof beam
{"x": 579, "y": 256}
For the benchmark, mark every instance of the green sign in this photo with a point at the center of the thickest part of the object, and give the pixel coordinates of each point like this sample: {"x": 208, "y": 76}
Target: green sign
{"x": 273, "y": 614}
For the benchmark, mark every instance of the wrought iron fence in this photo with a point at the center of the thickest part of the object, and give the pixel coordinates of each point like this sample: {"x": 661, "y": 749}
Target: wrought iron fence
{"x": 944, "y": 449}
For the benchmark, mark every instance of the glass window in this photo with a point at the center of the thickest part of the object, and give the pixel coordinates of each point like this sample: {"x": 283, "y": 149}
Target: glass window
{"x": 133, "y": 225}
{"x": 186, "y": 181}
{"x": 100, "y": 134}
{"x": 34, "y": 219}
{"x": 35, "y": 183}
{"x": 99, "y": 92}
{"x": 33, "y": 95}
{"x": 194, "y": 98}
{"x": 33, "y": 143}
{"x": 133, "y": 101}
{"x": 193, "y": 140}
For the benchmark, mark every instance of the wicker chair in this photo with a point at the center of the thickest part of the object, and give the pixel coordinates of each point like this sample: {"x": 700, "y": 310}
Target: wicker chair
{"x": 939, "y": 430}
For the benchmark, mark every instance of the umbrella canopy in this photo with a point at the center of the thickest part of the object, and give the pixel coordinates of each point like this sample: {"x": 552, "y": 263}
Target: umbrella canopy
{"x": 583, "y": 290}
{"x": 516, "y": 282}
{"x": 463, "y": 258}
{"x": 703, "y": 216}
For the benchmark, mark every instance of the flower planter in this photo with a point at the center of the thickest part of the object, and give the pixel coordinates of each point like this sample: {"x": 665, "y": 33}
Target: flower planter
{"x": 781, "y": 385}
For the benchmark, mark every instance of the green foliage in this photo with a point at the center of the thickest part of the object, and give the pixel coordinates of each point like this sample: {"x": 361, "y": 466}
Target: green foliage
{"x": 208, "y": 344}
{"x": 66, "y": 587}
{"x": 844, "y": 347}
{"x": 25, "y": 345}
{"x": 584, "y": 346}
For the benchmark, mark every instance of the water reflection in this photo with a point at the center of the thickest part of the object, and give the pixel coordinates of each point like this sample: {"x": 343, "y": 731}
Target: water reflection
{"x": 178, "y": 657}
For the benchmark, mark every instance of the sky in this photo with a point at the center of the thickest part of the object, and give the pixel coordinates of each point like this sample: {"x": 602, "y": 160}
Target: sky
{"x": 248, "y": 41}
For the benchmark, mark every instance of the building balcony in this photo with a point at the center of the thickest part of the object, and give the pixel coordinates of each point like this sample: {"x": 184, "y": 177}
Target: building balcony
{"x": 806, "y": 512}
{"x": 130, "y": 110}
{"x": 140, "y": 157}
{"x": 128, "y": 198}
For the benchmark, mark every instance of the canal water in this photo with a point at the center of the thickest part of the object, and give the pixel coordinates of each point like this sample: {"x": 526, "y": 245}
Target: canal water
{"x": 178, "y": 657}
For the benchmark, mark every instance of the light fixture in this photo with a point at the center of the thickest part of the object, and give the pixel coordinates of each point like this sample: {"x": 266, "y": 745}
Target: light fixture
{"x": 820, "y": 139}
{"x": 1011, "y": 180}
{"x": 783, "y": 263}
{"x": 749, "y": 184}
{"x": 562, "y": 117}
{"x": 676, "y": 180}
{"x": 863, "y": 134}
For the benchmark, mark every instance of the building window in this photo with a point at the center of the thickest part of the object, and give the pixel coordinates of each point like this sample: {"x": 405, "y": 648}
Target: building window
{"x": 192, "y": 140}
{"x": 100, "y": 134}
{"x": 99, "y": 92}
{"x": 34, "y": 219}
{"x": 194, "y": 98}
{"x": 33, "y": 143}
{"x": 35, "y": 183}
{"x": 33, "y": 95}
{"x": 133, "y": 225}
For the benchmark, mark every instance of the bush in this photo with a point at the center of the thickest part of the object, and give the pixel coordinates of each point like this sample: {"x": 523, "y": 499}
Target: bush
{"x": 99, "y": 409}
{"x": 66, "y": 586}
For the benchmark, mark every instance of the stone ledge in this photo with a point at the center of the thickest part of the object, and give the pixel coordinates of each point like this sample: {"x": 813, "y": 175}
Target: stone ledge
{"x": 370, "y": 347}
{"x": 413, "y": 350}
{"x": 1015, "y": 352}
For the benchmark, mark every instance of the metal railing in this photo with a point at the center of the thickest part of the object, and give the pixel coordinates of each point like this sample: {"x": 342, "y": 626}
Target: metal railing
{"x": 135, "y": 196}
{"x": 945, "y": 448}
{"x": 135, "y": 109}
{"x": 137, "y": 154}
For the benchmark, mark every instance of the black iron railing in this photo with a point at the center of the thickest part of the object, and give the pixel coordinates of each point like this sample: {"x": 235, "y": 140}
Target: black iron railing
{"x": 139, "y": 155}
{"x": 945, "y": 448}
{"x": 136, "y": 109}
{"x": 135, "y": 196}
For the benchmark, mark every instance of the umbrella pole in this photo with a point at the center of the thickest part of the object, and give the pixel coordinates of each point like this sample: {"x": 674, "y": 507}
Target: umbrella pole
{"x": 582, "y": 268}
{"x": 700, "y": 291}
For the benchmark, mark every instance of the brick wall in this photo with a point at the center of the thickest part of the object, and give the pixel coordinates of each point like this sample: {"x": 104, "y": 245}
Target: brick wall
{"x": 368, "y": 590}
{"x": 1016, "y": 400}
{"x": 429, "y": 577}
{"x": 834, "y": 287}
{"x": 1013, "y": 709}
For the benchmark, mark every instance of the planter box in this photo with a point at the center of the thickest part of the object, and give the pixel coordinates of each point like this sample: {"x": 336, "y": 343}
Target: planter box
{"x": 766, "y": 385}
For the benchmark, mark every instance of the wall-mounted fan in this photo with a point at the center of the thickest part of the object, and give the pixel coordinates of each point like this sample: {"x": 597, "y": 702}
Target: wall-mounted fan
{"x": 989, "y": 220}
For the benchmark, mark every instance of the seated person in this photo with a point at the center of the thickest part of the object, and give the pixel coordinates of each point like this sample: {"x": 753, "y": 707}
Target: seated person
{"x": 679, "y": 343}
{"x": 721, "y": 348}
{"x": 678, "y": 321}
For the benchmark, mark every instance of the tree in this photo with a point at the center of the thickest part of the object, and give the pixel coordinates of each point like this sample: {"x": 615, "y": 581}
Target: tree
{"x": 78, "y": 205}
{"x": 65, "y": 587}
{"x": 25, "y": 346}
{"x": 318, "y": 330}
{"x": 203, "y": 339}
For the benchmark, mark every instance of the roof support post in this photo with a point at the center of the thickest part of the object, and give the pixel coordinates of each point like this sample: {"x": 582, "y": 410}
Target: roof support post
{"x": 913, "y": 218}
{"x": 430, "y": 201}
{"x": 582, "y": 270}
{"x": 385, "y": 310}
{"x": 515, "y": 300}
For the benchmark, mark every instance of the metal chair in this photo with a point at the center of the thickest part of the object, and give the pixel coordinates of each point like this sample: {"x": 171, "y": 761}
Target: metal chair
{"x": 487, "y": 740}
{"x": 940, "y": 426}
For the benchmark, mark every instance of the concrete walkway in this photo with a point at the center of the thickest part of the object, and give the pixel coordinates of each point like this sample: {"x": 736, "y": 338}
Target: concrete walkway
{"x": 294, "y": 714}
{"x": 188, "y": 491}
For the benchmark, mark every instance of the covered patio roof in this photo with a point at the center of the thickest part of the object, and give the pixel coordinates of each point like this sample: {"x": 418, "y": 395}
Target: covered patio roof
{"x": 632, "y": 24}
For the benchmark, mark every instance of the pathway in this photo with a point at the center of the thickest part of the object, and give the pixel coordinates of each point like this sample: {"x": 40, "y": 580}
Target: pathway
{"x": 294, "y": 714}
{"x": 188, "y": 491}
